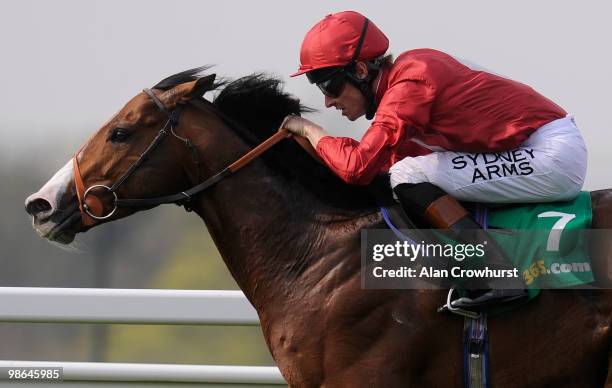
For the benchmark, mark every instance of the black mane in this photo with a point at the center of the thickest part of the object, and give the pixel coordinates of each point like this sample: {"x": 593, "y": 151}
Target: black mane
{"x": 257, "y": 105}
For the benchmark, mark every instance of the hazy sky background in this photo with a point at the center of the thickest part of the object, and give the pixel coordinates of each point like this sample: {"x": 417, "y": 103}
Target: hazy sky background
{"x": 68, "y": 65}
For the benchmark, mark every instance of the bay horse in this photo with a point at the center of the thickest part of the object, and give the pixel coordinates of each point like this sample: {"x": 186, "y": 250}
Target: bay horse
{"x": 289, "y": 233}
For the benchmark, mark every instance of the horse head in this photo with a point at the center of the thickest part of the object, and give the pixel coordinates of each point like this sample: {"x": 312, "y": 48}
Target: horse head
{"x": 125, "y": 158}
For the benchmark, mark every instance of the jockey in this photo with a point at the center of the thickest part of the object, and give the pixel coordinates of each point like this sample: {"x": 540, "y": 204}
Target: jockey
{"x": 444, "y": 130}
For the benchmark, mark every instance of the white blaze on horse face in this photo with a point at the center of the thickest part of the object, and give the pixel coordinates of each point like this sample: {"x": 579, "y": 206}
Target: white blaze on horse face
{"x": 56, "y": 187}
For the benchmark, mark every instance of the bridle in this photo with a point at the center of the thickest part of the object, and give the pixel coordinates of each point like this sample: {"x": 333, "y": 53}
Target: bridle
{"x": 89, "y": 203}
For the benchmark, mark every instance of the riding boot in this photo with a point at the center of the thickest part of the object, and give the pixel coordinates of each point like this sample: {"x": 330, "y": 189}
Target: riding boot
{"x": 442, "y": 211}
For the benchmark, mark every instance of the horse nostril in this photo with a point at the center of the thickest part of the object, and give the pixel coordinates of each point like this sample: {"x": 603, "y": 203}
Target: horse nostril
{"x": 37, "y": 206}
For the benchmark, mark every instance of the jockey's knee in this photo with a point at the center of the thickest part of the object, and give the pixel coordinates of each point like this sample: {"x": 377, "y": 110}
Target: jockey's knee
{"x": 408, "y": 171}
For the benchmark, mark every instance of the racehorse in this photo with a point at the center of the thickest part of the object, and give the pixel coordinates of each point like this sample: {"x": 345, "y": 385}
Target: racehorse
{"x": 289, "y": 232}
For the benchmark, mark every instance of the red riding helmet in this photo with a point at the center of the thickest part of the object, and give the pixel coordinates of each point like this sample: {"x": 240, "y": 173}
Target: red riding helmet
{"x": 335, "y": 39}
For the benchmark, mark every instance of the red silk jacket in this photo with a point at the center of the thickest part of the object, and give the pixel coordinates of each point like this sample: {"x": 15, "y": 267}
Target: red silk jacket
{"x": 429, "y": 101}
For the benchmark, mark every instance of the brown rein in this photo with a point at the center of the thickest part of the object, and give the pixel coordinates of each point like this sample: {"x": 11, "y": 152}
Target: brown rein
{"x": 90, "y": 205}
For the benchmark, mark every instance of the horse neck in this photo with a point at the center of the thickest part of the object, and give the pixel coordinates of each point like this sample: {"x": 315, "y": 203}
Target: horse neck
{"x": 269, "y": 234}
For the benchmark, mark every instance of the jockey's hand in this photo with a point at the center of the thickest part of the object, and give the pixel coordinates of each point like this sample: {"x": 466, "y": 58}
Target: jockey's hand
{"x": 296, "y": 125}
{"x": 302, "y": 127}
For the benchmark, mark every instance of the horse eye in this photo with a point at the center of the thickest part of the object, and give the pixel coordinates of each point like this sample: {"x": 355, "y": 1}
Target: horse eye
{"x": 119, "y": 135}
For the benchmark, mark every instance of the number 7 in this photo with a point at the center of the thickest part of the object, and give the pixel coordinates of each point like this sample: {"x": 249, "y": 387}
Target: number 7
{"x": 555, "y": 233}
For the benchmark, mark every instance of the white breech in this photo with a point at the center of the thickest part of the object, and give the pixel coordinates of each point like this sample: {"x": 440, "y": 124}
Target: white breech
{"x": 549, "y": 166}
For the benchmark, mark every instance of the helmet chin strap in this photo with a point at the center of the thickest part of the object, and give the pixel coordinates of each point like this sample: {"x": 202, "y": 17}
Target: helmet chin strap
{"x": 365, "y": 87}
{"x": 364, "y": 84}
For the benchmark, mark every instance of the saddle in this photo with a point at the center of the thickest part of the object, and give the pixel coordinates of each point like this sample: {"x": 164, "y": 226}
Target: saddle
{"x": 545, "y": 241}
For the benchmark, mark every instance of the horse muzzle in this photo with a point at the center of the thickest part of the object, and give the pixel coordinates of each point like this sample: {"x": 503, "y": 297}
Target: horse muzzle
{"x": 54, "y": 209}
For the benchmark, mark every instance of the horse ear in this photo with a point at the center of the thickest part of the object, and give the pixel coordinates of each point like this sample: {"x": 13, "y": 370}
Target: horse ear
{"x": 202, "y": 85}
{"x": 186, "y": 91}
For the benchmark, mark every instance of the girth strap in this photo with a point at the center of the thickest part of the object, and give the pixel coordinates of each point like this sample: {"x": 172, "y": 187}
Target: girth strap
{"x": 476, "y": 352}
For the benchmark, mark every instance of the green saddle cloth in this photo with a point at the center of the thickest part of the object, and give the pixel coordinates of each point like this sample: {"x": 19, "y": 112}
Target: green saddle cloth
{"x": 546, "y": 241}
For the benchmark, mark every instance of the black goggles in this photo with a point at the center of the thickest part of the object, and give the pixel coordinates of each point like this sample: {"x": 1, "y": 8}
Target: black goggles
{"x": 330, "y": 80}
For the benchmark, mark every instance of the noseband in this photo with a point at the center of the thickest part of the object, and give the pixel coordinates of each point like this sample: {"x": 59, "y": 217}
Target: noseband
{"x": 89, "y": 203}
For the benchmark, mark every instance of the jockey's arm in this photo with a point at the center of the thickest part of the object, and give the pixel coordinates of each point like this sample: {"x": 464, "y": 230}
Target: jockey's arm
{"x": 355, "y": 162}
{"x": 305, "y": 128}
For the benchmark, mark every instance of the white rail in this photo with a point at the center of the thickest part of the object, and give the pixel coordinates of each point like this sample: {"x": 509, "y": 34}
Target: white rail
{"x": 138, "y": 306}
{"x": 159, "y": 373}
